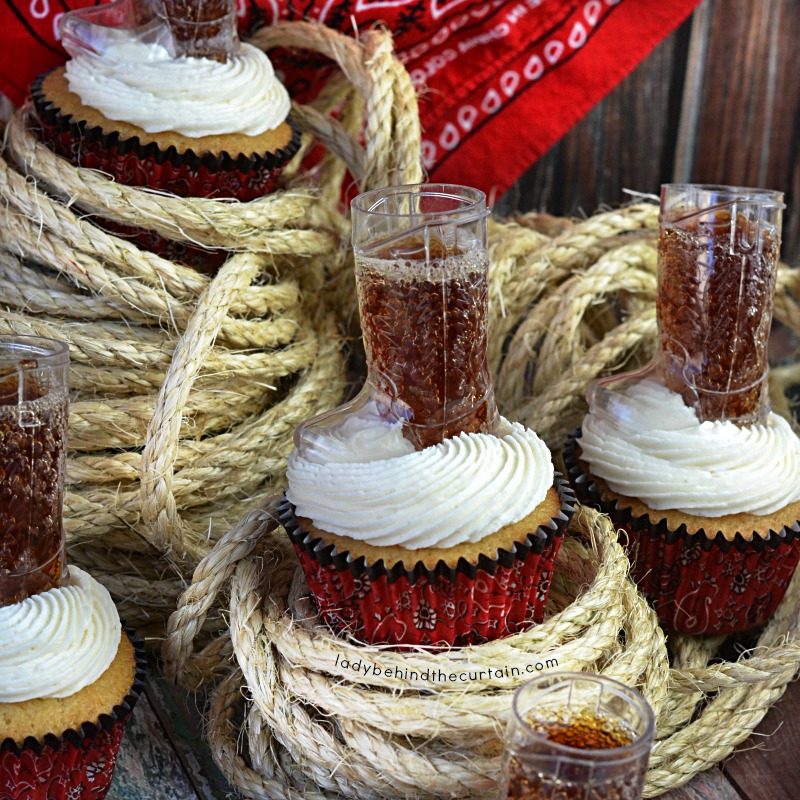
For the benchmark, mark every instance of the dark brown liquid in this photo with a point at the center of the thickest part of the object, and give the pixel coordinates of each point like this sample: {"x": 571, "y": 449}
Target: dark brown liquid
{"x": 425, "y": 333}
{"x": 32, "y": 462}
{"x": 714, "y": 315}
{"x": 208, "y": 41}
{"x": 584, "y": 730}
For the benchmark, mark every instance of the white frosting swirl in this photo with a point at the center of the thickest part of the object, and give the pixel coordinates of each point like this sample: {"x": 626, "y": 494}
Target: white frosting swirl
{"x": 660, "y": 453}
{"x": 364, "y": 480}
{"x": 142, "y": 84}
{"x": 55, "y": 643}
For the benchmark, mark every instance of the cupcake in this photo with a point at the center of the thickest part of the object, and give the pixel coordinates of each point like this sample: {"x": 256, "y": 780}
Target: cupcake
{"x": 69, "y": 678}
{"x": 453, "y": 544}
{"x": 710, "y": 510}
{"x": 164, "y": 96}
{"x": 419, "y": 516}
{"x": 686, "y": 456}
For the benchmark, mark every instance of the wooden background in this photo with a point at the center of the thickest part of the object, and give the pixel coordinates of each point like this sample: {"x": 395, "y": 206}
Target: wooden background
{"x": 717, "y": 102}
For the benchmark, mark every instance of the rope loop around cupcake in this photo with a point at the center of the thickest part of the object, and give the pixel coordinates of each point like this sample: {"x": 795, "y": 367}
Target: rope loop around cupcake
{"x": 284, "y": 651}
{"x": 392, "y": 129}
{"x": 292, "y": 221}
{"x": 311, "y": 719}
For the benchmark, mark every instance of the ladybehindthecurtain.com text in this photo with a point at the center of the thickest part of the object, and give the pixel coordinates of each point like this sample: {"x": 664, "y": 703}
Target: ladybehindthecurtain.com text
{"x": 439, "y": 676}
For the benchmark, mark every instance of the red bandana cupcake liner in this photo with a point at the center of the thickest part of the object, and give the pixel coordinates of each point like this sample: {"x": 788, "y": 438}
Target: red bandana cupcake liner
{"x": 132, "y": 163}
{"x": 79, "y": 763}
{"x": 444, "y": 606}
{"x": 696, "y": 583}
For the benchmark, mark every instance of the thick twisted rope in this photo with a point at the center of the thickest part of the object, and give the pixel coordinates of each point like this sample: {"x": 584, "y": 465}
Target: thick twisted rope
{"x": 292, "y": 667}
{"x": 159, "y": 509}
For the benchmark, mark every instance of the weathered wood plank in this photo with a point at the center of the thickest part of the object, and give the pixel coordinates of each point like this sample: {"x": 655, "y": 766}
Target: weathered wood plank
{"x": 784, "y": 168}
{"x": 749, "y": 99}
{"x": 179, "y": 713}
{"x": 148, "y": 768}
{"x": 737, "y": 92}
{"x": 708, "y": 785}
{"x": 767, "y": 767}
{"x": 689, "y": 110}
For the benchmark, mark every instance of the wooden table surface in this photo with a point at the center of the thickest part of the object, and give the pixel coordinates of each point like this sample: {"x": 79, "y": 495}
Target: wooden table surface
{"x": 163, "y": 756}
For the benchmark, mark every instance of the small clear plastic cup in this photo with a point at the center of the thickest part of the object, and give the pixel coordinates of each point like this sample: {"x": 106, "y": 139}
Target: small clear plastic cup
{"x": 200, "y": 28}
{"x": 577, "y": 736}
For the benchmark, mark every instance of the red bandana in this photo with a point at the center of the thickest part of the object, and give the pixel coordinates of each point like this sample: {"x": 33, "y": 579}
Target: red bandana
{"x": 504, "y": 79}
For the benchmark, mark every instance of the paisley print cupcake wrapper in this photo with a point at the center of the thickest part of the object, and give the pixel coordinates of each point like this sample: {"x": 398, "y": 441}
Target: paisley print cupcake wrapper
{"x": 132, "y": 163}
{"x": 444, "y": 606}
{"x": 77, "y": 764}
{"x": 697, "y": 583}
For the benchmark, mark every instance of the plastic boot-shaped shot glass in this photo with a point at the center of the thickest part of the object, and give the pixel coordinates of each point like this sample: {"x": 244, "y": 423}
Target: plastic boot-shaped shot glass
{"x": 200, "y": 28}
{"x": 33, "y": 446}
{"x": 718, "y": 253}
{"x": 421, "y": 272}
{"x": 718, "y": 258}
{"x": 185, "y": 28}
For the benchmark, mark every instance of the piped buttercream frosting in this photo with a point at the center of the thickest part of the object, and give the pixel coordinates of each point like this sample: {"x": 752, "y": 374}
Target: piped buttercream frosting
{"x": 654, "y": 448}
{"x": 362, "y": 479}
{"x": 142, "y": 84}
{"x": 55, "y": 643}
